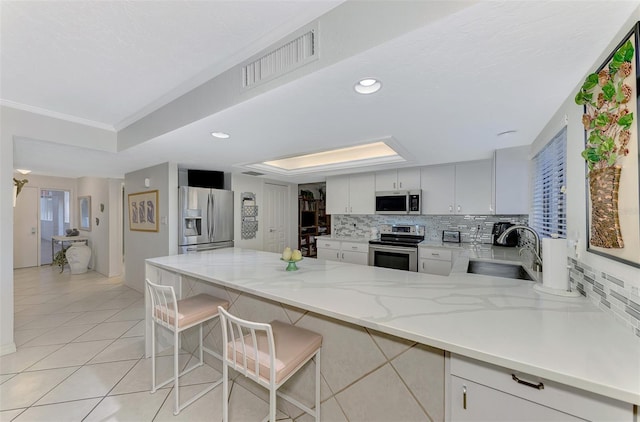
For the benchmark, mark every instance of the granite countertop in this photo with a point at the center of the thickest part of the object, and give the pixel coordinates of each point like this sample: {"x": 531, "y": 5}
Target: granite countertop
{"x": 497, "y": 320}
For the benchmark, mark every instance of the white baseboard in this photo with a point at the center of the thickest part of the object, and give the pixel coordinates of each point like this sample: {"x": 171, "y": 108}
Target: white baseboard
{"x": 6, "y": 349}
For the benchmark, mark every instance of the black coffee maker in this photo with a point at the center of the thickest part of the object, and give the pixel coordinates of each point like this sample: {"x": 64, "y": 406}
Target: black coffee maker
{"x": 512, "y": 238}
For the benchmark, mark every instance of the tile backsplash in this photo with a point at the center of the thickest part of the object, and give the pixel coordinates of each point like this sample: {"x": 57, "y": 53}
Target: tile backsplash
{"x": 471, "y": 227}
{"x": 614, "y": 296}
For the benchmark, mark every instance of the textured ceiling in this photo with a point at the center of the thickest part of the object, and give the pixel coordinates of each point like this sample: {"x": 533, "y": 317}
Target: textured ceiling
{"x": 448, "y": 88}
{"x": 106, "y": 61}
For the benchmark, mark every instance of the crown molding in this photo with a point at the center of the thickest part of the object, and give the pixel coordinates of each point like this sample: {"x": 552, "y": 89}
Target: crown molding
{"x": 57, "y": 115}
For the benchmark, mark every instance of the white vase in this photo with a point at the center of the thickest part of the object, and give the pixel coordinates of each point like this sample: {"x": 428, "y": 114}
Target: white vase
{"x": 78, "y": 256}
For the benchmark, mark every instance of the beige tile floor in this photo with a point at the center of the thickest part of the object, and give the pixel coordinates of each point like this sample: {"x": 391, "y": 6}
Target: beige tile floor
{"x": 80, "y": 343}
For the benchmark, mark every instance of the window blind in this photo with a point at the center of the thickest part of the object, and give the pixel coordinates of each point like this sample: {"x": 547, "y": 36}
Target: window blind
{"x": 548, "y": 205}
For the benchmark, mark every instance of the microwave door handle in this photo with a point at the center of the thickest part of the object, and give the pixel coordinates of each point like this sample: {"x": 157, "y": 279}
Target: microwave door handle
{"x": 408, "y": 203}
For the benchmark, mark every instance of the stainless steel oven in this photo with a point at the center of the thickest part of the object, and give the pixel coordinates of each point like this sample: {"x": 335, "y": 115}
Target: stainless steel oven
{"x": 397, "y": 247}
{"x": 396, "y": 257}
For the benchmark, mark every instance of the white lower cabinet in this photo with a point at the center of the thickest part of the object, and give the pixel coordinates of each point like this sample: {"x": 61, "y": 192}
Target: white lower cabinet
{"x": 343, "y": 251}
{"x": 483, "y": 392}
{"x": 435, "y": 260}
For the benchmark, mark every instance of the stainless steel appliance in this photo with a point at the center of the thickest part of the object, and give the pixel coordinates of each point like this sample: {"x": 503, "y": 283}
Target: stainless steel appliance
{"x": 397, "y": 247}
{"x": 399, "y": 202}
{"x": 206, "y": 219}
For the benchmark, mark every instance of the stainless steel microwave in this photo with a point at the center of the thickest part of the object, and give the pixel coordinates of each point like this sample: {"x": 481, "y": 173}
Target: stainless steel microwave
{"x": 399, "y": 202}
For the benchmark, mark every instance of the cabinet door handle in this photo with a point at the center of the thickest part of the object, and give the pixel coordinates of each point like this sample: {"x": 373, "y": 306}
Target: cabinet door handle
{"x": 538, "y": 386}
{"x": 354, "y": 247}
{"x": 423, "y": 265}
{"x": 435, "y": 254}
{"x": 394, "y": 185}
{"x": 451, "y": 208}
{"x": 459, "y": 208}
{"x": 400, "y": 184}
{"x": 342, "y": 255}
{"x": 464, "y": 397}
{"x": 337, "y": 255}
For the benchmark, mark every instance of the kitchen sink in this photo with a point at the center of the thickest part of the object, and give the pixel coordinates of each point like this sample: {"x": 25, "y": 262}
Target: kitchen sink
{"x": 498, "y": 270}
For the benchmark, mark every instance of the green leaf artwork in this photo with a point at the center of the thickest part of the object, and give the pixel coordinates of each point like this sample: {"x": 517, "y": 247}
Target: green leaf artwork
{"x": 607, "y": 116}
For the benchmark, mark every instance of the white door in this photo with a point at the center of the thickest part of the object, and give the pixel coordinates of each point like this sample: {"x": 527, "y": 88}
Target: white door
{"x": 25, "y": 228}
{"x": 276, "y": 217}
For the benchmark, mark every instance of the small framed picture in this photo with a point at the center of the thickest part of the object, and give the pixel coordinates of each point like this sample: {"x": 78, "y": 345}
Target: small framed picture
{"x": 143, "y": 209}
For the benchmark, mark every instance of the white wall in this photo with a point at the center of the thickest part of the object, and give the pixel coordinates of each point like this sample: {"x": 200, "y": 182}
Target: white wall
{"x": 6, "y": 241}
{"x": 576, "y": 187}
{"x": 142, "y": 245}
{"x": 104, "y": 238}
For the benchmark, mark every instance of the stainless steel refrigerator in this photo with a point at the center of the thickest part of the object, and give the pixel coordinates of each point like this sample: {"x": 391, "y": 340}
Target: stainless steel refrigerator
{"x": 206, "y": 219}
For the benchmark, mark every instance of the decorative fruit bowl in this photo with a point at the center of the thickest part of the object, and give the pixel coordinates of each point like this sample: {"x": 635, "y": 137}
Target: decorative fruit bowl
{"x": 291, "y": 264}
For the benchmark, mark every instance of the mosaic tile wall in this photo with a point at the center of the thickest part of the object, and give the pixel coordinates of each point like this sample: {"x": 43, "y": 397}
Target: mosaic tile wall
{"x": 472, "y": 227}
{"x": 612, "y": 295}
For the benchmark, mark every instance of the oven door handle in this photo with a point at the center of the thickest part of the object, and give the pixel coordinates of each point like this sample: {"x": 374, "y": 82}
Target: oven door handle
{"x": 393, "y": 248}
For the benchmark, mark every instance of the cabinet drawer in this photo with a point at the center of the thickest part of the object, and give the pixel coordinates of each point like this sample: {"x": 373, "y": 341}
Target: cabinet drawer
{"x": 435, "y": 253}
{"x": 557, "y": 396}
{"x": 471, "y": 401}
{"x": 355, "y": 247}
{"x": 435, "y": 266}
{"x": 327, "y": 244}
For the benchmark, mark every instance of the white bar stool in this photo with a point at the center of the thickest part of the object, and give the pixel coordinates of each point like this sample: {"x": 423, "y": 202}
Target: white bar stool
{"x": 192, "y": 311}
{"x": 282, "y": 349}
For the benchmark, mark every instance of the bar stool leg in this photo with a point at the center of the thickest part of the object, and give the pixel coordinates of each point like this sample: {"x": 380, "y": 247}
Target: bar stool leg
{"x": 318, "y": 386}
{"x": 153, "y": 356}
{"x": 201, "y": 354}
{"x": 225, "y": 391}
{"x": 272, "y": 405}
{"x": 176, "y": 372}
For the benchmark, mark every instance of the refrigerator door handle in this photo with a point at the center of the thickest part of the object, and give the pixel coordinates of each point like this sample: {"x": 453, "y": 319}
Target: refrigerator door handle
{"x": 213, "y": 215}
{"x": 209, "y": 217}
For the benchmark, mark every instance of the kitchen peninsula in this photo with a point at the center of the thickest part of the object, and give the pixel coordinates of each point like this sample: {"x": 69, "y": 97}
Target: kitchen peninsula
{"x": 394, "y": 328}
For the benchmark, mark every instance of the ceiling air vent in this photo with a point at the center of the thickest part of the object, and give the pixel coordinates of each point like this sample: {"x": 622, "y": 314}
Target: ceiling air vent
{"x": 289, "y": 56}
{"x": 253, "y": 173}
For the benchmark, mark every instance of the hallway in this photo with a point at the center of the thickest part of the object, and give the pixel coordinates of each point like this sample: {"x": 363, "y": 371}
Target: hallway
{"x": 80, "y": 342}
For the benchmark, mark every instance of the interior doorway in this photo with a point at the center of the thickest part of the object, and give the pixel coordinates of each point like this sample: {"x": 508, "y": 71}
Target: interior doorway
{"x": 276, "y": 217}
{"x": 55, "y": 219}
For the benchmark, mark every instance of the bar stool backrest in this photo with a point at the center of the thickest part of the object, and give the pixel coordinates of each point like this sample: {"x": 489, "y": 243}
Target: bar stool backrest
{"x": 163, "y": 303}
{"x": 243, "y": 342}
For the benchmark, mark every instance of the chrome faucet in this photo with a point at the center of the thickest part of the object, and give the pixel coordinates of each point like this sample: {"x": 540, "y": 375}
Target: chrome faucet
{"x": 536, "y": 251}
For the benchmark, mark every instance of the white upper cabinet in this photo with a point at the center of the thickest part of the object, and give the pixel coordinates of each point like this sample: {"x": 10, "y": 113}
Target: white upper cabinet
{"x": 474, "y": 192}
{"x": 362, "y": 194}
{"x": 462, "y": 188}
{"x": 405, "y": 179}
{"x": 438, "y": 187}
{"x": 512, "y": 180}
{"x": 354, "y": 194}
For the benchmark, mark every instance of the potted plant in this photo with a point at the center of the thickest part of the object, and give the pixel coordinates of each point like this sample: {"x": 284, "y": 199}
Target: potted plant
{"x": 60, "y": 258}
{"x": 607, "y": 121}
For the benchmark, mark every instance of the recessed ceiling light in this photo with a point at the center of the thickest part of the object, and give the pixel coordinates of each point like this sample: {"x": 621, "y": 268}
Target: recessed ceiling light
{"x": 368, "y": 86}
{"x": 221, "y": 135}
{"x": 23, "y": 171}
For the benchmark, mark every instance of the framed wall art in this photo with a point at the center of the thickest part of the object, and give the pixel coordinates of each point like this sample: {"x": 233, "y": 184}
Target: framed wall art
{"x": 610, "y": 99}
{"x": 143, "y": 208}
